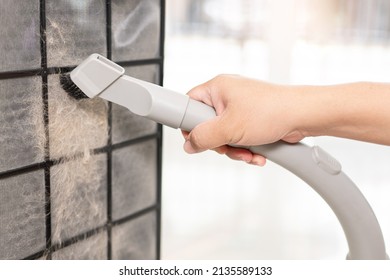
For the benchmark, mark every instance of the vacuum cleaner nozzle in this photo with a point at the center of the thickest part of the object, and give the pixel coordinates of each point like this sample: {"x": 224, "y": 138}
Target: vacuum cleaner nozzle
{"x": 91, "y": 77}
{"x": 99, "y": 76}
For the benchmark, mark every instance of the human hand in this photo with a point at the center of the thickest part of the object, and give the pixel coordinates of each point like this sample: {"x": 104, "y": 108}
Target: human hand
{"x": 249, "y": 112}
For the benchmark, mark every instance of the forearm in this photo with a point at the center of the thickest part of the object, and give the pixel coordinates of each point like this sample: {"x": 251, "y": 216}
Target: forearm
{"x": 358, "y": 111}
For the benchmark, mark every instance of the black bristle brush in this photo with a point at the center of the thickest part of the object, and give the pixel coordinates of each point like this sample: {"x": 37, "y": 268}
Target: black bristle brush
{"x": 70, "y": 87}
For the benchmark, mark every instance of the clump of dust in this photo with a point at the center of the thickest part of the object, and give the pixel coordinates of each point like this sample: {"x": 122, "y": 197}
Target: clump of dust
{"x": 79, "y": 177}
{"x": 37, "y": 118}
{"x": 78, "y": 197}
{"x": 57, "y": 38}
{"x": 78, "y": 191}
{"x": 75, "y": 126}
{"x": 74, "y": 35}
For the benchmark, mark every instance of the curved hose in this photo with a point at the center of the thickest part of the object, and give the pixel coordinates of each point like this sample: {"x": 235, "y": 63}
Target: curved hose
{"x": 323, "y": 173}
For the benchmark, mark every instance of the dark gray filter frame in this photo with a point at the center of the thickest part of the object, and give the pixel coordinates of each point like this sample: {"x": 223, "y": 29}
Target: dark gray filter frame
{"x": 115, "y": 221}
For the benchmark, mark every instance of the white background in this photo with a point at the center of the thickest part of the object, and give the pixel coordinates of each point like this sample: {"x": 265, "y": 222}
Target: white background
{"x": 214, "y": 208}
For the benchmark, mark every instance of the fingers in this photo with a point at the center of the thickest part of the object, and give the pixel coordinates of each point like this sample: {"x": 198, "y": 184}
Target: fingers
{"x": 215, "y": 134}
{"x": 242, "y": 155}
{"x": 208, "y": 93}
{"x": 207, "y": 135}
{"x": 245, "y": 155}
{"x": 232, "y": 152}
{"x": 258, "y": 160}
{"x": 201, "y": 93}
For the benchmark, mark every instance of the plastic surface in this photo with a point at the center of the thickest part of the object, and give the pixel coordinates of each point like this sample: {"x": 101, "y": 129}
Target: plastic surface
{"x": 312, "y": 164}
{"x": 95, "y": 74}
{"x": 361, "y": 228}
{"x": 196, "y": 113}
{"x": 148, "y": 100}
{"x": 325, "y": 161}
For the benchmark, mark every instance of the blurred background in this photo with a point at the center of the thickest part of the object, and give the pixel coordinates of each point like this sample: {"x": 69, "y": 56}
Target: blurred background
{"x": 214, "y": 208}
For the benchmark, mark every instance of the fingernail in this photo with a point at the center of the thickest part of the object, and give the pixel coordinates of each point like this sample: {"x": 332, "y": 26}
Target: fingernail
{"x": 258, "y": 161}
{"x": 188, "y": 147}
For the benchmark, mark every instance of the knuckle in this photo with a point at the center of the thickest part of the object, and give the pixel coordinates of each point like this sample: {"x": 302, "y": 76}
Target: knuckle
{"x": 196, "y": 141}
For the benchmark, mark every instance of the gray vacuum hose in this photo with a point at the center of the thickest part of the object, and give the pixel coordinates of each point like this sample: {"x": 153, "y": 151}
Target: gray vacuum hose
{"x": 323, "y": 173}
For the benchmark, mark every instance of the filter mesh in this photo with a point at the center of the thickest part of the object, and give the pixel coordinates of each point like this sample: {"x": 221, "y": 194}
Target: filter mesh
{"x": 65, "y": 165}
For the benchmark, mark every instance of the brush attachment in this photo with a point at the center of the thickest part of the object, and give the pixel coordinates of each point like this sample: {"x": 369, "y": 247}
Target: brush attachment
{"x": 92, "y": 77}
{"x": 70, "y": 87}
{"x": 99, "y": 76}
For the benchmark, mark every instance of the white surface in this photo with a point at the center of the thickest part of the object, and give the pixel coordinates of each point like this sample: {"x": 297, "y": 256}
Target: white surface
{"x": 214, "y": 208}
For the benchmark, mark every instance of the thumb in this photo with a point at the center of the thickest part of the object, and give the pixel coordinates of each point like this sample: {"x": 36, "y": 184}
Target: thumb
{"x": 205, "y": 136}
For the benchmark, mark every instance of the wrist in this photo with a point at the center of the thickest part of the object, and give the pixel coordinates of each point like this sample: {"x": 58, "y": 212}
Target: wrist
{"x": 343, "y": 110}
{"x": 317, "y": 110}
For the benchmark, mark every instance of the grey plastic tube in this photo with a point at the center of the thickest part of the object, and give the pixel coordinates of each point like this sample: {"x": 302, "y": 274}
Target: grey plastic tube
{"x": 323, "y": 173}
{"x": 361, "y": 228}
